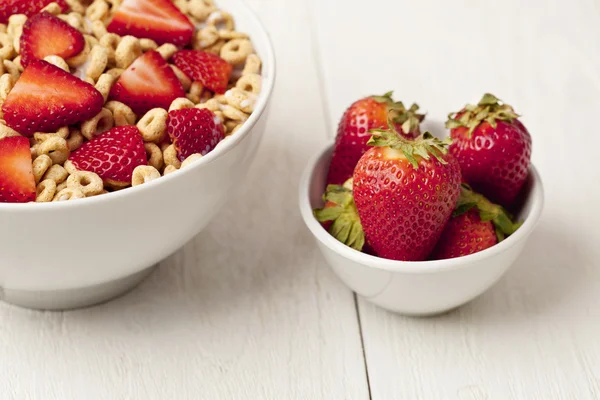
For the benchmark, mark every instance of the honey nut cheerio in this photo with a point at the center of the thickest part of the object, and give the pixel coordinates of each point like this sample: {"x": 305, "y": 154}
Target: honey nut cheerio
{"x": 105, "y": 57}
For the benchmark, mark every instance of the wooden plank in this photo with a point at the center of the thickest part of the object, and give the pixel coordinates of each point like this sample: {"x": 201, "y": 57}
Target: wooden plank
{"x": 247, "y": 310}
{"x": 534, "y": 335}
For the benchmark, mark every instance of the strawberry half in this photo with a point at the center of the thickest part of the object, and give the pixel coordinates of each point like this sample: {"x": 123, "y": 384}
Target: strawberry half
{"x": 159, "y": 20}
{"x": 46, "y": 98}
{"x": 476, "y": 225}
{"x": 194, "y": 130}
{"x": 45, "y": 35}
{"x": 148, "y": 83}
{"x": 405, "y": 192}
{"x": 210, "y": 69}
{"x": 17, "y": 184}
{"x": 373, "y": 112}
{"x": 492, "y": 147}
{"x": 112, "y": 155}
{"x": 27, "y": 7}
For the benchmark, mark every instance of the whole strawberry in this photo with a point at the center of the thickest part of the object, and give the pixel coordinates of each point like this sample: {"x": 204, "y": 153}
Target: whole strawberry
{"x": 492, "y": 147}
{"x": 373, "y": 112}
{"x": 476, "y": 225}
{"x": 405, "y": 191}
{"x": 339, "y": 216}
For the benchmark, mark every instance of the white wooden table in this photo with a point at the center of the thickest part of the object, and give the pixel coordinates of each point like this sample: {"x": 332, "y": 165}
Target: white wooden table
{"x": 255, "y": 313}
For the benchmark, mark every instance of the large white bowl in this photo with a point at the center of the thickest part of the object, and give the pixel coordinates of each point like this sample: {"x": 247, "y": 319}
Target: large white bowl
{"x": 415, "y": 288}
{"x": 72, "y": 254}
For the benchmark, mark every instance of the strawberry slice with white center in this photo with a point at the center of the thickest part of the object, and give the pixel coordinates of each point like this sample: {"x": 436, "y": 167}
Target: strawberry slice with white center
{"x": 46, "y": 98}
{"x": 148, "y": 83}
{"x": 210, "y": 69}
{"x": 45, "y": 35}
{"x": 113, "y": 155}
{"x": 194, "y": 130}
{"x": 159, "y": 20}
{"x": 27, "y": 7}
{"x": 17, "y": 184}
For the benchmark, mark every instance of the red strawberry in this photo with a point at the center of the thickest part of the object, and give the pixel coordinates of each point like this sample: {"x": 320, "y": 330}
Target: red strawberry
{"x": 476, "y": 225}
{"x": 27, "y": 7}
{"x": 194, "y": 130}
{"x": 210, "y": 69}
{"x": 159, "y": 20}
{"x": 44, "y": 35}
{"x": 148, "y": 83}
{"x": 405, "y": 191}
{"x": 46, "y": 98}
{"x": 112, "y": 155}
{"x": 339, "y": 216}
{"x": 492, "y": 147}
{"x": 16, "y": 172}
{"x": 373, "y": 112}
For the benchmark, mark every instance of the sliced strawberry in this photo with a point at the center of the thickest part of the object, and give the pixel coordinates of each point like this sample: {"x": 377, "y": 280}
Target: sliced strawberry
{"x": 148, "y": 83}
{"x": 44, "y": 35}
{"x": 46, "y": 98}
{"x": 210, "y": 69}
{"x": 27, "y": 7}
{"x": 113, "y": 155}
{"x": 194, "y": 130}
{"x": 16, "y": 172}
{"x": 159, "y": 20}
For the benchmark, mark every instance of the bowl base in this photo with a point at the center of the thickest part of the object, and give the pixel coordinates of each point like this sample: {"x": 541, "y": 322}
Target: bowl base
{"x": 74, "y": 298}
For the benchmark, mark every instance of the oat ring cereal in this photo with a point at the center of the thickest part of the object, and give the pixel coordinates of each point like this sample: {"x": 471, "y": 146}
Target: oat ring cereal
{"x": 121, "y": 103}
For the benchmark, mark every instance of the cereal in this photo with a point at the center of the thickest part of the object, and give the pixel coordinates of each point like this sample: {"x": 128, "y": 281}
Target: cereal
{"x": 167, "y": 50}
{"x": 144, "y": 174}
{"x": 56, "y": 148}
{"x": 191, "y": 159}
{"x": 129, "y": 49}
{"x": 88, "y": 183}
{"x": 97, "y": 62}
{"x": 68, "y": 194}
{"x": 56, "y": 173}
{"x": 155, "y": 155}
{"x": 181, "y": 103}
{"x": 170, "y": 156}
{"x": 185, "y": 81}
{"x": 236, "y": 51}
{"x": 58, "y": 61}
{"x": 41, "y": 164}
{"x": 153, "y": 125}
{"x": 45, "y": 191}
{"x": 122, "y": 114}
{"x": 101, "y": 63}
{"x": 102, "y": 122}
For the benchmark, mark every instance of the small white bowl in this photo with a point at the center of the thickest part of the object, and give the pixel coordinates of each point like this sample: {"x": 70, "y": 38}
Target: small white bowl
{"x": 77, "y": 253}
{"x": 415, "y": 288}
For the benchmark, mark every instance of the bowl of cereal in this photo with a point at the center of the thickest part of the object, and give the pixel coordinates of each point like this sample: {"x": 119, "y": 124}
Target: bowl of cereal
{"x": 109, "y": 113}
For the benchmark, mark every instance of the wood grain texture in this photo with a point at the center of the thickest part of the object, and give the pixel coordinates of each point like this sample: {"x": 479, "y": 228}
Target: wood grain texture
{"x": 533, "y": 335}
{"x": 247, "y": 310}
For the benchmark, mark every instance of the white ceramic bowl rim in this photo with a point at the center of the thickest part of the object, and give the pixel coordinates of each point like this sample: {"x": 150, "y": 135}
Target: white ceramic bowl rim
{"x": 268, "y": 61}
{"x": 536, "y": 201}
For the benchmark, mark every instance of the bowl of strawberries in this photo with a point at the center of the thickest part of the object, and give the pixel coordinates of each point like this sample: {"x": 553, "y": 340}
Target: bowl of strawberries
{"x": 124, "y": 126}
{"x": 419, "y": 224}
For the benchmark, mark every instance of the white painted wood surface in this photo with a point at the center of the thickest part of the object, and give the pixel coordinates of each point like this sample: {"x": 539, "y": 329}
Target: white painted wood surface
{"x": 254, "y": 313}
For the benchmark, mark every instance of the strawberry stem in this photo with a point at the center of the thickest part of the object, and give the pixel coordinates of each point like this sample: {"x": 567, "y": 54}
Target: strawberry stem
{"x": 424, "y": 146}
{"x": 346, "y": 226}
{"x": 488, "y": 211}
{"x": 489, "y": 109}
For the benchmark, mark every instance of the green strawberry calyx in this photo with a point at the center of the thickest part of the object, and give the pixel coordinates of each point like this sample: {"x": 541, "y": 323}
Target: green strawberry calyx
{"x": 409, "y": 119}
{"x": 424, "y": 146}
{"x": 489, "y": 109}
{"x": 346, "y": 226}
{"x": 488, "y": 211}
